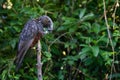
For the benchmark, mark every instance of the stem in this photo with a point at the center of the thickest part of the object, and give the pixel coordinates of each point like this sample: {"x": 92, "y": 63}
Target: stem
{"x": 39, "y": 64}
{"x": 106, "y": 21}
{"x": 56, "y": 40}
{"x": 110, "y": 39}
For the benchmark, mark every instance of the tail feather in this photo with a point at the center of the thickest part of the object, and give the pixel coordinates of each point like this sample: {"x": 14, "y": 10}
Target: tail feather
{"x": 19, "y": 58}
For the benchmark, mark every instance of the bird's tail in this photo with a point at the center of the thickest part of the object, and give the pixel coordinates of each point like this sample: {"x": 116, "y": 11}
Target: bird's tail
{"x": 19, "y": 58}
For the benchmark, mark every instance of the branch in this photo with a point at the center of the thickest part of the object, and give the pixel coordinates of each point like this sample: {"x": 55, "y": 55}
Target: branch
{"x": 113, "y": 15}
{"x": 109, "y": 35}
{"x": 39, "y": 64}
{"x": 56, "y": 40}
{"x": 106, "y": 21}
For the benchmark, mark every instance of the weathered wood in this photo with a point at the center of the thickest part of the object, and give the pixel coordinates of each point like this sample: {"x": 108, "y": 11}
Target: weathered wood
{"x": 39, "y": 63}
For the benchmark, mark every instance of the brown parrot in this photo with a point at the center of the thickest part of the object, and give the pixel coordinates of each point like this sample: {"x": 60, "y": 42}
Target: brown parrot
{"x": 33, "y": 30}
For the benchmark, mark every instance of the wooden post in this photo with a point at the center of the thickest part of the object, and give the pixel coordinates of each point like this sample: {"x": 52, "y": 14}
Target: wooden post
{"x": 39, "y": 64}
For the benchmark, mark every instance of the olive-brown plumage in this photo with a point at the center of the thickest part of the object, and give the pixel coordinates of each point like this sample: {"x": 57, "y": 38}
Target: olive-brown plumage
{"x": 31, "y": 33}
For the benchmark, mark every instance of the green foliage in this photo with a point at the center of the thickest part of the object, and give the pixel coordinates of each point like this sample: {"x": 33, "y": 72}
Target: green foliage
{"x": 77, "y": 49}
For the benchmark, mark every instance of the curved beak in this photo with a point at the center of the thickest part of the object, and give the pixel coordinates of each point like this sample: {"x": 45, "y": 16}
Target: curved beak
{"x": 50, "y": 28}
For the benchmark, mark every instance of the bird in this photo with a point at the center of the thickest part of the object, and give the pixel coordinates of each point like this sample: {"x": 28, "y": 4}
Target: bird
{"x": 33, "y": 31}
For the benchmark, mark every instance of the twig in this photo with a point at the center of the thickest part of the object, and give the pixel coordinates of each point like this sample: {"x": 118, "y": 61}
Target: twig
{"x": 56, "y": 40}
{"x": 114, "y": 13}
{"x": 39, "y": 64}
{"x": 86, "y": 75}
{"x": 109, "y": 36}
{"x": 106, "y": 21}
{"x": 116, "y": 6}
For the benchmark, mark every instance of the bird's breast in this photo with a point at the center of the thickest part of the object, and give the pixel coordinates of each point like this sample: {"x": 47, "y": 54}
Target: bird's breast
{"x": 36, "y": 38}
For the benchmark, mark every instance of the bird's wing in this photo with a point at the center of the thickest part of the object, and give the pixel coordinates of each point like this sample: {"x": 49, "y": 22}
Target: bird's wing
{"x": 26, "y": 39}
{"x": 23, "y": 47}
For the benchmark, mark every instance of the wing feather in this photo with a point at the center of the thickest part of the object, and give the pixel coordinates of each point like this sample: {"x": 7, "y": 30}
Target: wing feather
{"x": 26, "y": 39}
{"x": 23, "y": 47}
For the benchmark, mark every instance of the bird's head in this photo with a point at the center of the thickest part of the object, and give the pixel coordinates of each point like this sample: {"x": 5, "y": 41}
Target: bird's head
{"x": 47, "y": 23}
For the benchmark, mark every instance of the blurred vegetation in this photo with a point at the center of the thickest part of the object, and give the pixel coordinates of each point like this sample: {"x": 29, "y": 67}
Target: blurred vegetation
{"x": 77, "y": 49}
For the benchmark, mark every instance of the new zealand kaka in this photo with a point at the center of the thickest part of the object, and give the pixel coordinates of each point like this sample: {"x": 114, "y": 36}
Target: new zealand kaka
{"x": 33, "y": 30}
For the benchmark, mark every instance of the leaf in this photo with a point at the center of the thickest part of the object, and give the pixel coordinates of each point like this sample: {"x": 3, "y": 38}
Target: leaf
{"x": 88, "y": 17}
{"x": 4, "y": 74}
{"x": 1, "y": 31}
{"x": 84, "y": 52}
{"x": 96, "y": 28}
{"x": 87, "y": 24}
{"x": 67, "y": 45}
{"x": 88, "y": 61}
{"x": 69, "y": 20}
{"x": 70, "y": 62}
{"x": 47, "y": 54}
{"x": 13, "y": 43}
{"x": 61, "y": 28}
{"x": 73, "y": 29}
{"x": 82, "y": 12}
{"x": 95, "y": 50}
